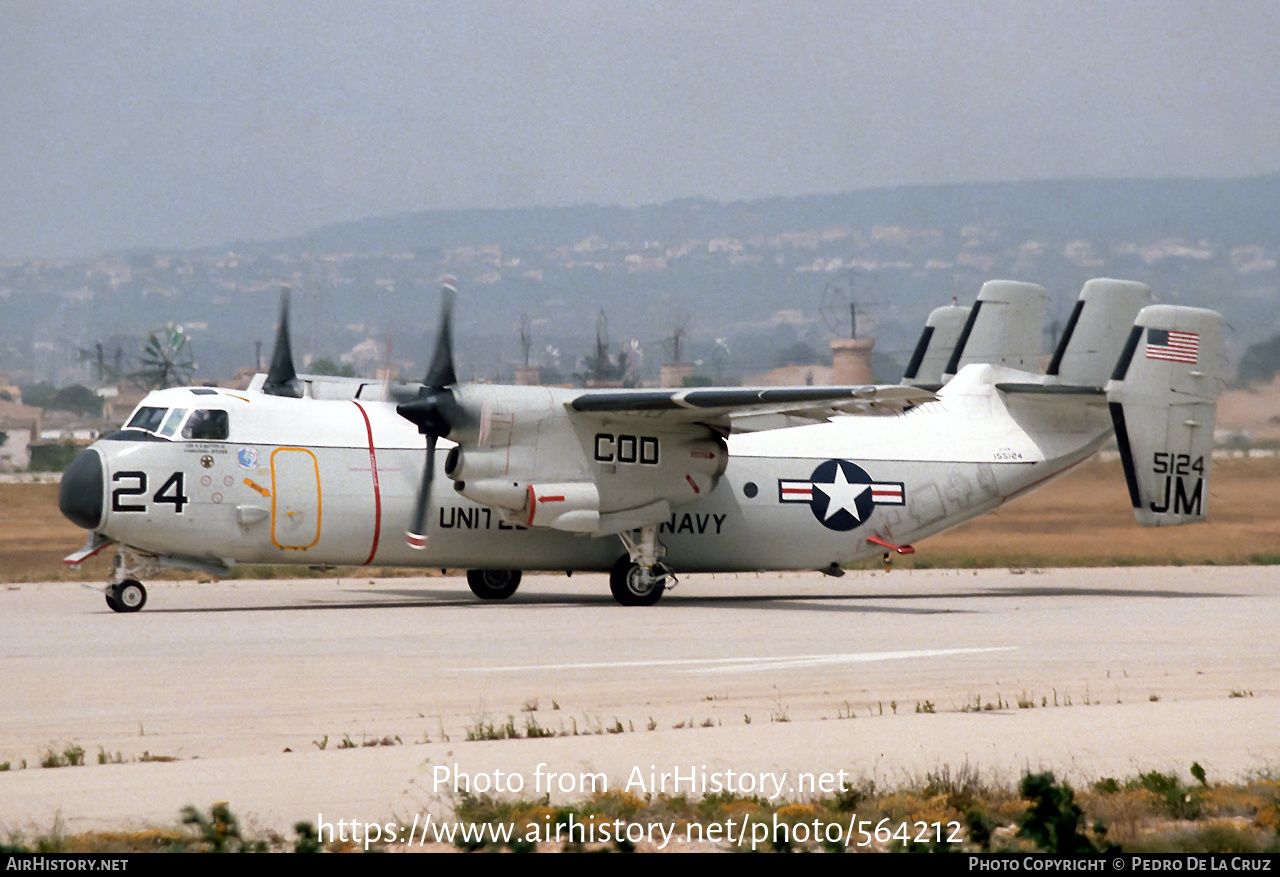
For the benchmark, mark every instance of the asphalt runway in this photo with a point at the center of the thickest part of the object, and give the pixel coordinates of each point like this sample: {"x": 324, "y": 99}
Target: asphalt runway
{"x": 268, "y": 695}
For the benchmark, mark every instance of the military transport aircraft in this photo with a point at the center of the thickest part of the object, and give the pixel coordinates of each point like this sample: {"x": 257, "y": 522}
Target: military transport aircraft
{"x": 323, "y": 471}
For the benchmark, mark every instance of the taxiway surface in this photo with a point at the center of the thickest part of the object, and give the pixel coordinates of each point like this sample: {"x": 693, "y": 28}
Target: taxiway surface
{"x": 271, "y": 695}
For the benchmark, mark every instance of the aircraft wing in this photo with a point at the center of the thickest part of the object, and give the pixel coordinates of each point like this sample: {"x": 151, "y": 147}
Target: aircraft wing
{"x": 724, "y": 405}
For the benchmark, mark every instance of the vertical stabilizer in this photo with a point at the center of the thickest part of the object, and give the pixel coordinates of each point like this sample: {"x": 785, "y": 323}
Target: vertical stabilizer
{"x": 1004, "y": 327}
{"x": 933, "y": 350}
{"x": 1096, "y": 331}
{"x": 1163, "y": 400}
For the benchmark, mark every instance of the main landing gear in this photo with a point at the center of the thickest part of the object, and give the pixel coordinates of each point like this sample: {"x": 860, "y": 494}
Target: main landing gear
{"x": 639, "y": 578}
{"x": 493, "y": 584}
{"x": 633, "y": 585}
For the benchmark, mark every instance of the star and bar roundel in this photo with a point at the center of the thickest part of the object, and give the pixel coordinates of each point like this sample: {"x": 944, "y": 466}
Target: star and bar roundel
{"x": 841, "y": 495}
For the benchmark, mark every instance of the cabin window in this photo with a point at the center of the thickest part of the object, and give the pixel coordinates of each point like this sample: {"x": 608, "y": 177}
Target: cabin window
{"x": 207, "y": 424}
{"x": 171, "y": 422}
{"x": 147, "y": 418}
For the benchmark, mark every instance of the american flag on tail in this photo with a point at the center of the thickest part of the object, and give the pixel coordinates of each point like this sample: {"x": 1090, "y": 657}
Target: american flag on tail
{"x": 1173, "y": 346}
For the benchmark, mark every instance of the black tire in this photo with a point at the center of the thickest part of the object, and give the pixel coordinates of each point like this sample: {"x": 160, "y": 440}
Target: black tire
{"x": 493, "y": 584}
{"x": 130, "y": 596}
{"x": 625, "y": 583}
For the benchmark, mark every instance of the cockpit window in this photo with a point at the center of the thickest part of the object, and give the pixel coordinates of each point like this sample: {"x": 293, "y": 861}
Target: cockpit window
{"x": 147, "y": 418}
{"x": 171, "y": 422}
{"x": 203, "y": 424}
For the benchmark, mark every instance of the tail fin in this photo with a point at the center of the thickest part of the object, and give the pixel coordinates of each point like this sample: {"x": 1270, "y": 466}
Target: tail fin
{"x": 1163, "y": 400}
{"x": 1096, "y": 331}
{"x": 933, "y": 350}
{"x": 1003, "y": 328}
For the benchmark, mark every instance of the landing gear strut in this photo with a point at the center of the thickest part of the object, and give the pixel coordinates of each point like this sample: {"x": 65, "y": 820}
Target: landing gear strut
{"x": 639, "y": 578}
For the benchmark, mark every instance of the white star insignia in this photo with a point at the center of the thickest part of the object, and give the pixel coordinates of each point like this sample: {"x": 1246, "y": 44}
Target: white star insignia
{"x": 842, "y": 496}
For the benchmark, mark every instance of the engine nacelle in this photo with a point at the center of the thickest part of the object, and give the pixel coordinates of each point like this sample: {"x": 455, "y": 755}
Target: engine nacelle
{"x": 538, "y": 468}
{"x": 478, "y": 464}
{"x": 572, "y": 506}
{"x": 707, "y": 458}
{"x": 496, "y": 492}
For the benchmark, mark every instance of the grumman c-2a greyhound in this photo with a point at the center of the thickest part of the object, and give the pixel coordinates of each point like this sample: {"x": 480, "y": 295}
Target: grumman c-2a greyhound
{"x": 646, "y": 482}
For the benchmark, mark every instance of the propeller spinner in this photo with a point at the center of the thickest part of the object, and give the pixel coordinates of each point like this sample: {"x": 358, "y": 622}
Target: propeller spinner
{"x": 435, "y": 410}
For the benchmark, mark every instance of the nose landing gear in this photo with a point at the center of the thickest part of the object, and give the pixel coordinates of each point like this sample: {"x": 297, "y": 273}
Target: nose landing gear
{"x": 125, "y": 592}
{"x": 126, "y": 596}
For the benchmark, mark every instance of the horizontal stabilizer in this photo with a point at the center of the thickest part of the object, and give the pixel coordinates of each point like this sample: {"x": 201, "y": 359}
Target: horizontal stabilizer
{"x": 1163, "y": 400}
{"x": 1050, "y": 389}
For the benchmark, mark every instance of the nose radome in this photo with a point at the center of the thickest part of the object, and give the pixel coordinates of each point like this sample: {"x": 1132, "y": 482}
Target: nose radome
{"x": 82, "y": 490}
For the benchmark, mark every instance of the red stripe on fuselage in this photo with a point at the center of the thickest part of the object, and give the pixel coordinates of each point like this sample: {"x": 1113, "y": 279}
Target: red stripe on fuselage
{"x": 377, "y": 491}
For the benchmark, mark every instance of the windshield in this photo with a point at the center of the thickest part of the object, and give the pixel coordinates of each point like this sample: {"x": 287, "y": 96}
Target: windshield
{"x": 147, "y": 418}
{"x": 171, "y": 422}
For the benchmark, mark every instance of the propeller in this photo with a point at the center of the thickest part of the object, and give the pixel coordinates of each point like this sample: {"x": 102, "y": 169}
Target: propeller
{"x": 435, "y": 410}
{"x": 282, "y": 379}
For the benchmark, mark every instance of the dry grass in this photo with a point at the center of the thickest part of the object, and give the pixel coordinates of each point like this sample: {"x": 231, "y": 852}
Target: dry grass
{"x": 35, "y": 537}
{"x": 1085, "y": 519}
{"x": 1230, "y": 817}
{"x": 1082, "y": 519}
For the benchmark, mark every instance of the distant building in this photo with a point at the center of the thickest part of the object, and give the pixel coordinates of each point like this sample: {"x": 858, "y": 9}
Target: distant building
{"x": 792, "y": 376}
{"x": 19, "y": 426}
{"x": 674, "y": 374}
{"x": 851, "y": 361}
{"x": 118, "y": 402}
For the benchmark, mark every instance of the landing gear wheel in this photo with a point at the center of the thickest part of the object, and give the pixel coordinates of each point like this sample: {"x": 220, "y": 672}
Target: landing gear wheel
{"x": 633, "y": 586}
{"x": 493, "y": 584}
{"x": 128, "y": 596}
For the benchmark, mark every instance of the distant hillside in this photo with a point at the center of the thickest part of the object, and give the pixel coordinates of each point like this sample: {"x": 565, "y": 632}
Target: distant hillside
{"x": 748, "y": 280}
{"x": 1057, "y": 209}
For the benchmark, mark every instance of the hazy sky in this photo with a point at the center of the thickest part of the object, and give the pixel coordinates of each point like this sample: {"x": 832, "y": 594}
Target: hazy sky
{"x": 191, "y": 123}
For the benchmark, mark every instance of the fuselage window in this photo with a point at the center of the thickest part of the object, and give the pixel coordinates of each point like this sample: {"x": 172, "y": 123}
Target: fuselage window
{"x": 171, "y": 422}
{"x": 207, "y": 425}
{"x": 147, "y": 418}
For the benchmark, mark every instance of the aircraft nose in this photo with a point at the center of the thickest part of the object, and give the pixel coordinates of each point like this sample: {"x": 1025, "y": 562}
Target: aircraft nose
{"x": 82, "y": 490}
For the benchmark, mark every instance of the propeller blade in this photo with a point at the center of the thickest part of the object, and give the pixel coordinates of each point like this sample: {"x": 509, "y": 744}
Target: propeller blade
{"x": 434, "y": 410}
{"x": 416, "y": 536}
{"x": 441, "y": 373}
{"x": 282, "y": 379}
